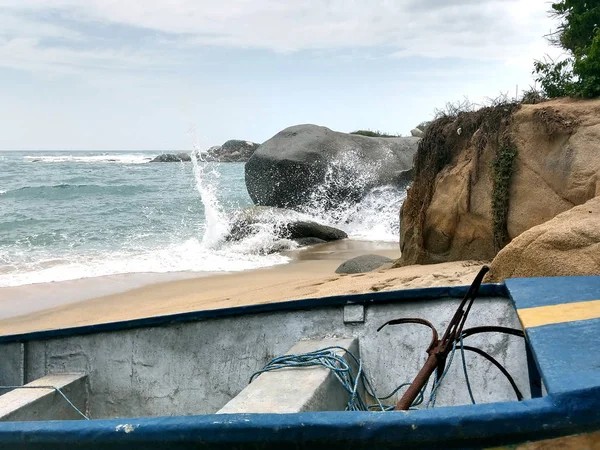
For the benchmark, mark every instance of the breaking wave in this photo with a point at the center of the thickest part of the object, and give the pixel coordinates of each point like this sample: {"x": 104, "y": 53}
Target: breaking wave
{"x": 105, "y": 158}
{"x": 187, "y": 256}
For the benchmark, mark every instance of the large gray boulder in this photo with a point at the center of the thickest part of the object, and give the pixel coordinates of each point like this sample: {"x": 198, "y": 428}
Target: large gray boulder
{"x": 305, "y": 164}
{"x": 362, "y": 264}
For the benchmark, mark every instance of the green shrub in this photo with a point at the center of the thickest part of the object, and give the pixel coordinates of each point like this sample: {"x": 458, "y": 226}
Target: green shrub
{"x": 578, "y": 75}
{"x": 587, "y": 69}
{"x": 370, "y": 133}
{"x": 555, "y": 77}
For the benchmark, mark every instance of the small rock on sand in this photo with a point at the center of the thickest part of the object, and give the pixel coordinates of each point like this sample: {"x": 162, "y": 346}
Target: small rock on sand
{"x": 362, "y": 264}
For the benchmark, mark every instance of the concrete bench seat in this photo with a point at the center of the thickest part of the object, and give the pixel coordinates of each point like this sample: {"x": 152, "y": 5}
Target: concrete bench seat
{"x": 297, "y": 389}
{"x": 37, "y": 403}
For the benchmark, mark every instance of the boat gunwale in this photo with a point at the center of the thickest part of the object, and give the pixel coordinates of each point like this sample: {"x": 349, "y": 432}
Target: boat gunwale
{"x": 466, "y": 426}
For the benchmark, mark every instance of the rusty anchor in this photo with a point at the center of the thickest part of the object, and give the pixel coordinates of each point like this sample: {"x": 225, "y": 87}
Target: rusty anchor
{"x": 439, "y": 349}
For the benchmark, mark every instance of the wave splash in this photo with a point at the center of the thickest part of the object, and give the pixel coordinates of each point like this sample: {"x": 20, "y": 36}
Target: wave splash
{"x": 105, "y": 158}
{"x": 375, "y": 217}
{"x": 258, "y": 246}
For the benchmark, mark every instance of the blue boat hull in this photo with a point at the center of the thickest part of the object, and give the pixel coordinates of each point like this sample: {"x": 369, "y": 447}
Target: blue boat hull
{"x": 561, "y": 318}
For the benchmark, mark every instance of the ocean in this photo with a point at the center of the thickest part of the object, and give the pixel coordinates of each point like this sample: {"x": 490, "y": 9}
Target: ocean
{"x": 73, "y": 215}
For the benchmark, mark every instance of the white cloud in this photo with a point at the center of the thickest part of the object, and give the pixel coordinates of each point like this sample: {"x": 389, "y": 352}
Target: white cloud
{"x": 15, "y": 25}
{"x": 28, "y": 54}
{"x": 509, "y": 31}
{"x": 31, "y": 43}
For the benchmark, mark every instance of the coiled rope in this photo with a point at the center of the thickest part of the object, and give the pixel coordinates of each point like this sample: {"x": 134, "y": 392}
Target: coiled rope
{"x": 329, "y": 359}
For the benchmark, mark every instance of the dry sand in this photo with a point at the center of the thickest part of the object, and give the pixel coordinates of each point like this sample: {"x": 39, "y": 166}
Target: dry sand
{"x": 311, "y": 275}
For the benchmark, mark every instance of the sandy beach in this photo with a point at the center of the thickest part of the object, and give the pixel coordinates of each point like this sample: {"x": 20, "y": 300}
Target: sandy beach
{"x": 311, "y": 274}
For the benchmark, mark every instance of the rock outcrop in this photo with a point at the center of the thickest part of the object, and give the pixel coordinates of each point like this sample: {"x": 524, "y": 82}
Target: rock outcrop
{"x": 484, "y": 178}
{"x": 173, "y": 157}
{"x": 308, "y": 163}
{"x": 232, "y": 151}
{"x": 284, "y": 224}
{"x": 362, "y": 264}
{"x": 567, "y": 245}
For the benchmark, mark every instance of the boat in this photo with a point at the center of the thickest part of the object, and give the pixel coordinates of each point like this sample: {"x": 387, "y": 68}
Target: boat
{"x": 182, "y": 381}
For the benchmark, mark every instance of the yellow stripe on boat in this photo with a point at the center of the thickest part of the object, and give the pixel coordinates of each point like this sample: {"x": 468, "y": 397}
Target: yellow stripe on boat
{"x": 565, "y": 312}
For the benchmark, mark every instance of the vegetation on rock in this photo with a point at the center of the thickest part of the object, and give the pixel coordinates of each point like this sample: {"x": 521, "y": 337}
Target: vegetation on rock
{"x": 371, "y": 133}
{"x": 502, "y": 169}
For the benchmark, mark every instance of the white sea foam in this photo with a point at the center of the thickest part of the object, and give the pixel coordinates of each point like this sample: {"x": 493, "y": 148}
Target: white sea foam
{"x": 375, "y": 218}
{"x": 189, "y": 256}
{"x": 106, "y": 158}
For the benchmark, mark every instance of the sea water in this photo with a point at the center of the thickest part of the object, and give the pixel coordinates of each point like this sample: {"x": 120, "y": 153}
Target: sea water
{"x": 72, "y": 215}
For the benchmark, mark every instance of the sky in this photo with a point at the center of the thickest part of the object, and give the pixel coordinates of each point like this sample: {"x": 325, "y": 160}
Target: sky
{"x": 182, "y": 74}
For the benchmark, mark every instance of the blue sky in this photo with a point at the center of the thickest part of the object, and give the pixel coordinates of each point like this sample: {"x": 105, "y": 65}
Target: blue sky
{"x": 175, "y": 74}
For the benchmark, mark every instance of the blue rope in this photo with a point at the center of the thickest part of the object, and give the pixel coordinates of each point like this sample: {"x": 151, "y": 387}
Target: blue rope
{"x": 438, "y": 382}
{"x": 328, "y": 358}
{"x": 464, "y": 364}
{"x": 49, "y": 387}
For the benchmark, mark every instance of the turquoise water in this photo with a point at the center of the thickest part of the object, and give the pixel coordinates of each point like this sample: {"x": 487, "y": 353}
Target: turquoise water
{"x": 70, "y": 215}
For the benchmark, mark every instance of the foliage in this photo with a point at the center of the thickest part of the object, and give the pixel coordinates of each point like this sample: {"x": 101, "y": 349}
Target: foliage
{"x": 556, "y": 78}
{"x": 581, "y": 19}
{"x": 454, "y": 109}
{"x": 588, "y": 70}
{"x": 502, "y": 170}
{"x": 371, "y": 133}
{"x": 578, "y": 33}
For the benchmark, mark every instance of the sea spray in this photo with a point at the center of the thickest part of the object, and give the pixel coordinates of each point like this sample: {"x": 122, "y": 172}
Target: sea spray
{"x": 263, "y": 240}
{"x": 216, "y": 222}
{"x": 377, "y": 216}
{"x": 261, "y": 230}
{"x": 369, "y": 213}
